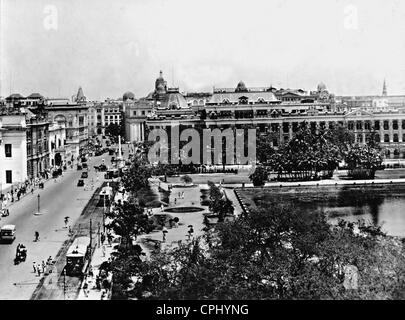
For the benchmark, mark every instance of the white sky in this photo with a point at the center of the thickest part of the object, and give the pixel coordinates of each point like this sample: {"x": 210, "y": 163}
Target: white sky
{"x": 109, "y": 47}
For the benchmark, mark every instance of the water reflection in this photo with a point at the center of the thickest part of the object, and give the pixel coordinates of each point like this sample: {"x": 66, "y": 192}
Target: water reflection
{"x": 382, "y": 207}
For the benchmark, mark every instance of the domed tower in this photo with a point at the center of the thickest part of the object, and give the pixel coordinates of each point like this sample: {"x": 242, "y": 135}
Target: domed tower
{"x": 128, "y": 96}
{"x": 321, "y": 87}
{"x": 241, "y": 87}
{"x": 160, "y": 87}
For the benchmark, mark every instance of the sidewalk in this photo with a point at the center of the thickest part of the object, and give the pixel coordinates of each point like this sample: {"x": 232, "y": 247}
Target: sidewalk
{"x": 35, "y": 186}
{"x": 100, "y": 255}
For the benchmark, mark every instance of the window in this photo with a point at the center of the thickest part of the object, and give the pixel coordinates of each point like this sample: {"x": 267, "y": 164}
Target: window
{"x": 386, "y": 138}
{"x": 377, "y": 125}
{"x": 403, "y": 124}
{"x": 134, "y": 113}
{"x": 395, "y": 137}
{"x": 367, "y": 125}
{"x": 9, "y": 176}
{"x": 7, "y": 148}
{"x": 395, "y": 125}
{"x": 385, "y": 125}
{"x": 143, "y": 113}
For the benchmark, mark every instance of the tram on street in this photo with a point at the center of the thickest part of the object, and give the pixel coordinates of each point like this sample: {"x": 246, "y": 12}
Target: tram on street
{"x": 105, "y": 196}
{"x": 78, "y": 257}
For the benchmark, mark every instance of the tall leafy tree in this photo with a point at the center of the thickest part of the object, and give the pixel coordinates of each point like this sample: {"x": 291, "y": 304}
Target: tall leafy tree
{"x": 218, "y": 202}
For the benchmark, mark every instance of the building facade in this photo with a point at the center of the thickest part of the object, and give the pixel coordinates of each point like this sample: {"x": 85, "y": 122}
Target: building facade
{"x": 38, "y": 159}
{"x": 57, "y": 144}
{"x": 74, "y": 118}
{"x": 268, "y": 109}
{"x": 13, "y": 150}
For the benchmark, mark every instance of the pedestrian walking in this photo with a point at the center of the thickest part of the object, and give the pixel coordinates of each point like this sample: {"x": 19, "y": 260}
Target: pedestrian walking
{"x": 161, "y": 207}
{"x": 38, "y": 270}
{"x": 43, "y": 266}
{"x": 34, "y": 266}
{"x": 36, "y": 236}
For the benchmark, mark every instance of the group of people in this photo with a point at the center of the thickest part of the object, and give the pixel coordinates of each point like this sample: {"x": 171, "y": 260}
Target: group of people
{"x": 40, "y": 268}
{"x": 180, "y": 196}
{"x": 17, "y": 192}
{"x": 21, "y": 253}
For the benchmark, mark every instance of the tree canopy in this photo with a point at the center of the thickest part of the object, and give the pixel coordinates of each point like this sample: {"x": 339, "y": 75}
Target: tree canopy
{"x": 276, "y": 253}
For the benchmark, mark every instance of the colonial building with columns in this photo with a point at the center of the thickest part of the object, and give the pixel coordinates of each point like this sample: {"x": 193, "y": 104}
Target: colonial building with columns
{"x": 268, "y": 109}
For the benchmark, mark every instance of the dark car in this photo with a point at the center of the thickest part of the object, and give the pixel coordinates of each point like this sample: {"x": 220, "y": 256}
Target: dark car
{"x": 80, "y": 183}
{"x": 79, "y": 167}
{"x": 85, "y": 174}
{"x": 84, "y": 165}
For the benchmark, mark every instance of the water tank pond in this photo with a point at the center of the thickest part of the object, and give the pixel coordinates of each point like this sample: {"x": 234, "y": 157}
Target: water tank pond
{"x": 184, "y": 209}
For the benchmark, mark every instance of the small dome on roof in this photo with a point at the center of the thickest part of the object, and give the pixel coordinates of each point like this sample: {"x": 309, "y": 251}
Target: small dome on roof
{"x": 128, "y": 96}
{"x": 321, "y": 87}
{"x": 241, "y": 87}
{"x": 35, "y": 96}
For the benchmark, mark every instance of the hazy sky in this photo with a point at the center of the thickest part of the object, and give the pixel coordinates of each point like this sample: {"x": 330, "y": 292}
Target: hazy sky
{"x": 109, "y": 47}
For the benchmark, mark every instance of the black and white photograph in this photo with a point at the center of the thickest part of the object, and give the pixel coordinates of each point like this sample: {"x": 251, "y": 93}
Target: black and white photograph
{"x": 221, "y": 152}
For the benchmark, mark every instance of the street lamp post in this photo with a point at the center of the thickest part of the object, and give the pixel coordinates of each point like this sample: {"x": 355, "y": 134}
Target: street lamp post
{"x": 39, "y": 208}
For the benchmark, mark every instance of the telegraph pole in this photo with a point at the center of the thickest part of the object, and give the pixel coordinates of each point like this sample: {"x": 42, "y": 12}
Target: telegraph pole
{"x": 64, "y": 284}
{"x": 90, "y": 237}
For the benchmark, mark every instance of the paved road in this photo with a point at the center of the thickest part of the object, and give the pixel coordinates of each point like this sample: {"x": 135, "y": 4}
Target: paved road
{"x": 57, "y": 200}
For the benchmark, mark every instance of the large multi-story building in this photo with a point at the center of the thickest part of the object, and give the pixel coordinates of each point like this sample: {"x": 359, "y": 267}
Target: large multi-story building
{"x": 382, "y": 102}
{"x": 37, "y": 144}
{"x": 106, "y": 113}
{"x": 74, "y": 118}
{"x": 267, "y": 109}
{"x": 13, "y": 150}
{"x": 57, "y": 144}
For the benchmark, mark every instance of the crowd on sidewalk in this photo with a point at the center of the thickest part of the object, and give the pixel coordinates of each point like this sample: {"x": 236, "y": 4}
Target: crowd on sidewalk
{"x": 28, "y": 186}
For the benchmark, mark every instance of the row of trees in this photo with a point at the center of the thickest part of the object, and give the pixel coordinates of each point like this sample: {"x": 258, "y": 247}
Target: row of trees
{"x": 309, "y": 155}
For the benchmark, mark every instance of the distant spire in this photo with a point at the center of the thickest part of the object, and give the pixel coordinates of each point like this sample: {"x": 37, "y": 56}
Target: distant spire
{"x": 161, "y": 73}
{"x": 384, "y": 93}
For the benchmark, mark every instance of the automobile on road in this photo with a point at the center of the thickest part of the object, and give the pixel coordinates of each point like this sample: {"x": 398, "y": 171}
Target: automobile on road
{"x": 7, "y": 233}
{"x": 84, "y": 175}
{"x": 80, "y": 183}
